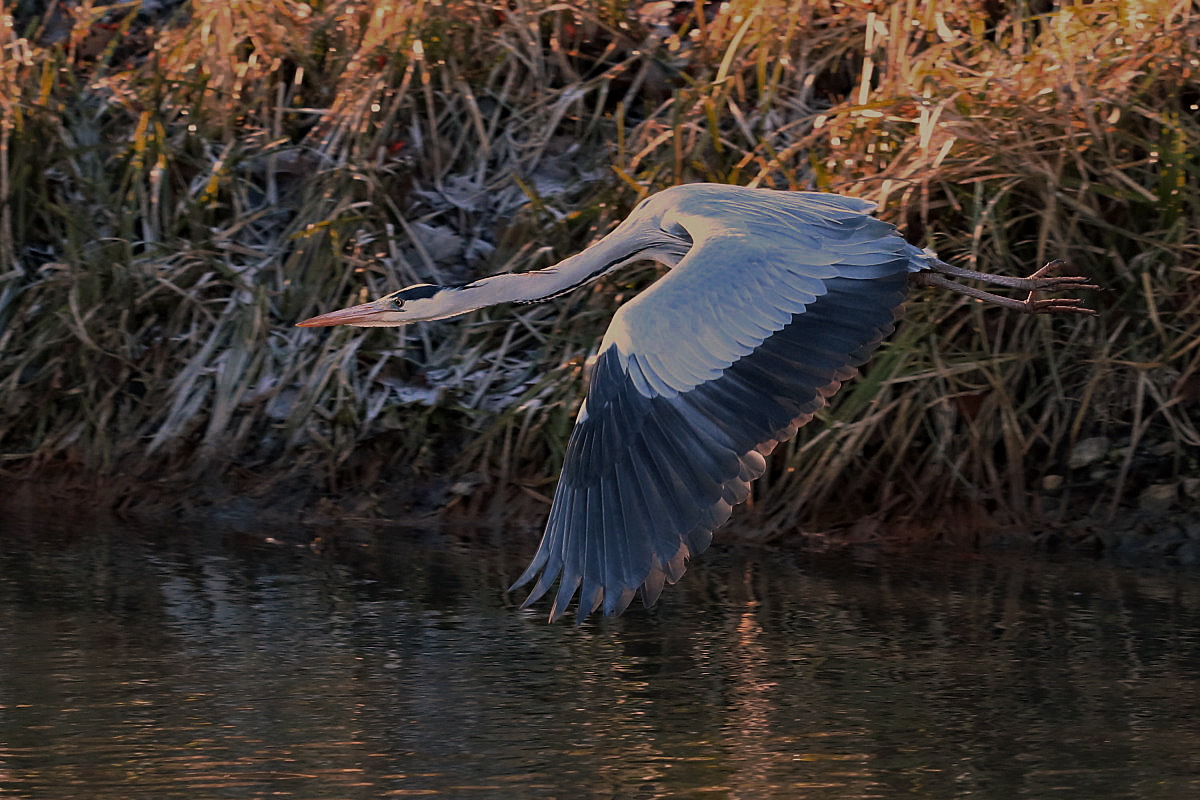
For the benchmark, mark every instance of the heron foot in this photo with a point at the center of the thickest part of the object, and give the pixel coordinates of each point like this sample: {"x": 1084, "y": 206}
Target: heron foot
{"x": 1045, "y": 282}
{"x": 1039, "y": 282}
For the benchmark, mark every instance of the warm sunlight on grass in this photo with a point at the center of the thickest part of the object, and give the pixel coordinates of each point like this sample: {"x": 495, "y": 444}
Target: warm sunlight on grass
{"x": 176, "y": 191}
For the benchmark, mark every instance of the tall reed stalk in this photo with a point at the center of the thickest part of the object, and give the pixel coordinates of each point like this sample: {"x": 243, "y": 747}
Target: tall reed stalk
{"x": 173, "y": 197}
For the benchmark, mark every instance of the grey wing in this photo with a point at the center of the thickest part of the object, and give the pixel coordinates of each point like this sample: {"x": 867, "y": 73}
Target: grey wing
{"x": 646, "y": 479}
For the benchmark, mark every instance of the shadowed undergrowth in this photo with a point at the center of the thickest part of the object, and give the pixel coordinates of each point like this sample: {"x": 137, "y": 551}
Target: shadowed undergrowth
{"x": 177, "y": 192}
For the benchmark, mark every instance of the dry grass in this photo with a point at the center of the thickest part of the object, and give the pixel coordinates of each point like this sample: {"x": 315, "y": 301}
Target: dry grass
{"x": 173, "y": 198}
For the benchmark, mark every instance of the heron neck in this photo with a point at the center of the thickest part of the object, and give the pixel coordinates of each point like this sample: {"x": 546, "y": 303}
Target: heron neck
{"x": 543, "y": 284}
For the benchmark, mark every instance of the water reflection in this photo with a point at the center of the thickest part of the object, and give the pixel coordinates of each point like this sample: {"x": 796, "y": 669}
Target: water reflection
{"x": 148, "y": 663}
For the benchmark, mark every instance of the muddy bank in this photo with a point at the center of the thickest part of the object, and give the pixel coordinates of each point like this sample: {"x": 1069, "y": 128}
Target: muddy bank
{"x": 1160, "y": 526}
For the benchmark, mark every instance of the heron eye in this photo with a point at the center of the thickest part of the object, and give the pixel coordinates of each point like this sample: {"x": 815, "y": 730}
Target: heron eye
{"x": 397, "y": 304}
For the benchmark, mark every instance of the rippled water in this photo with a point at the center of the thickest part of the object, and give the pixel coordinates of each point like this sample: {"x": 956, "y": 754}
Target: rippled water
{"x": 142, "y": 663}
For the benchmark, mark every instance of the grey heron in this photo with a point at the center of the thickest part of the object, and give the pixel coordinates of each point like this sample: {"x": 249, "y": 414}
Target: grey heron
{"x": 773, "y": 298}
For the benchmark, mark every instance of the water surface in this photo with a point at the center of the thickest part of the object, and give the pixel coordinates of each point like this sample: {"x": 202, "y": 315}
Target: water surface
{"x": 162, "y": 663}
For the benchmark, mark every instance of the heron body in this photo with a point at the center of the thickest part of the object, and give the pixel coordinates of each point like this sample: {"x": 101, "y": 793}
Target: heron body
{"x": 773, "y": 299}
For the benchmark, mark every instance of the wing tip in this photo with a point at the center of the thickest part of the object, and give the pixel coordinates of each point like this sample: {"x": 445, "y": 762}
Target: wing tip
{"x": 610, "y": 601}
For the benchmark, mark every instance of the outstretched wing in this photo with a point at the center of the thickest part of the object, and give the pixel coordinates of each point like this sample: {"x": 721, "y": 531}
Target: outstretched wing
{"x": 701, "y": 377}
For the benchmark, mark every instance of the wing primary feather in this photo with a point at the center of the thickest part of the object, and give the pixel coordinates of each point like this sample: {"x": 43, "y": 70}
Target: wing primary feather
{"x": 638, "y": 520}
{"x": 567, "y": 585}
{"x": 551, "y": 541}
{"x": 661, "y": 506}
{"x": 666, "y": 468}
{"x": 539, "y": 563}
{"x": 535, "y": 565}
{"x": 678, "y": 564}
{"x": 621, "y": 603}
{"x": 653, "y": 586}
{"x": 570, "y": 576}
{"x": 664, "y": 511}
{"x": 619, "y": 556}
{"x": 589, "y": 601}
{"x": 700, "y": 537}
{"x": 592, "y": 568}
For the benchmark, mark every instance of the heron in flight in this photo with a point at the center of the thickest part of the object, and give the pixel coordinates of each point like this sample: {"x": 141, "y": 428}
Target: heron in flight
{"x": 772, "y": 299}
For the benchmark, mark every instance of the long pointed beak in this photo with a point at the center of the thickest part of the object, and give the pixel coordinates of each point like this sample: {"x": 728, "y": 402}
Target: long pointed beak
{"x": 355, "y": 315}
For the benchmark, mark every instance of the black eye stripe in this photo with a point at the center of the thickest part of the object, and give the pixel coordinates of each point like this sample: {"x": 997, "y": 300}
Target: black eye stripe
{"x": 421, "y": 291}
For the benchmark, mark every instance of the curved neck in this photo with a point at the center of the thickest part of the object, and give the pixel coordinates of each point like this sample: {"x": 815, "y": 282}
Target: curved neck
{"x": 610, "y": 253}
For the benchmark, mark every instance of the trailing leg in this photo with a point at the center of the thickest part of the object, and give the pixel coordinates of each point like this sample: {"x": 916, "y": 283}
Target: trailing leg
{"x": 1040, "y": 281}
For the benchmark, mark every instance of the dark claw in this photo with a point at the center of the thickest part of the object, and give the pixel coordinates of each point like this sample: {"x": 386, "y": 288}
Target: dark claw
{"x": 1058, "y": 304}
{"x": 1045, "y": 283}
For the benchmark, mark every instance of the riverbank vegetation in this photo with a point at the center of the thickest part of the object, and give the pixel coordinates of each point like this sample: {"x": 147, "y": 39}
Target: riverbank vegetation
{"x": 176, "y": 191}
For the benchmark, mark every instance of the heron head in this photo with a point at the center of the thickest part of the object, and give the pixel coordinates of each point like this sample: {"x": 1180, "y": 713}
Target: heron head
{"x": 418, "y": 303}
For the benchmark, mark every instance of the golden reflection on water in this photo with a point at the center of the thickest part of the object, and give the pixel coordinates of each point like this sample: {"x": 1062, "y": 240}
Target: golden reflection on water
{"x": 137, "y": 664}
